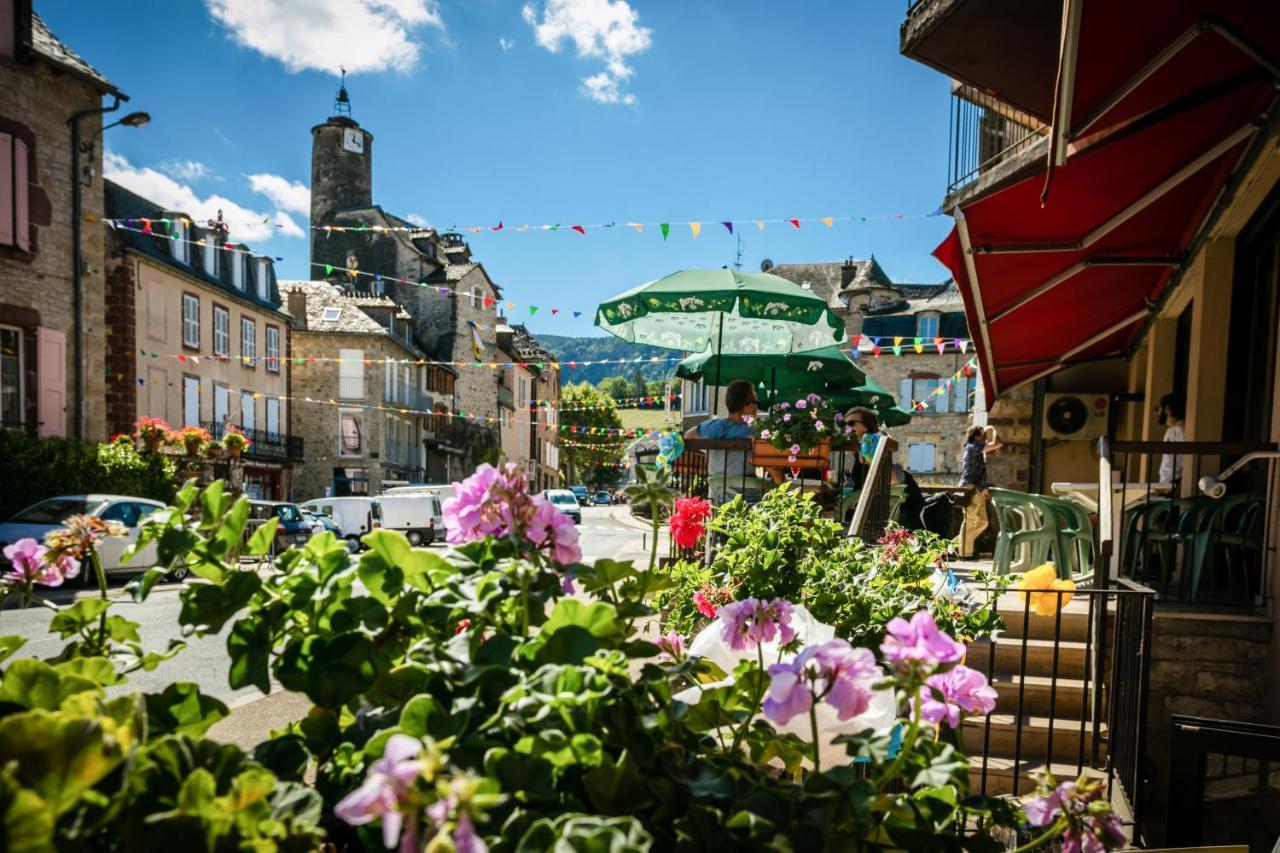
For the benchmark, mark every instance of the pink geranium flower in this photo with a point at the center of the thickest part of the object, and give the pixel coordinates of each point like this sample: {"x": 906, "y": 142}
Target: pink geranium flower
{"x": 947, "y": 694}
{"x": 834, "y": 672}
{"x": 801, "y": 404}
{"x": 919, "y": 642}
{"x": 704, "y": 605}
{"x": 31, "y": 564}
{"x": 672, "y": 646}
{"x": 551, "y": 528}
{"x": 1085, "y": 832}
{"x": 752, "y": 621}
{"x": 385, "y": 788}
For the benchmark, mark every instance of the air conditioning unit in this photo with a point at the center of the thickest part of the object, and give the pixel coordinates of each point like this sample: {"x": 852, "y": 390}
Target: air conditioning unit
{"x": 1076, "y": 417}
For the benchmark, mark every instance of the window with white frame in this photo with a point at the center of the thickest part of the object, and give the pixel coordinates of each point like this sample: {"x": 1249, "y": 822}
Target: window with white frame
{"x": 273, "y": 416}
{"x": 351, "y": 374}
{"x": 273, "y": 349}
{"x": 922, "y": 457}
{"x": 15, "y": 201}
{"x": 211, "y": 255}
{"x": 248, "y": 410}
{"x": 918, "y": 390}
{"x": 190, "y": 401}
{"x": 221, "y": 331}
{"x": 221, "y": 409}
{"x": 927, "y": 326}
{"x": 248, "y": 341}
{"x": 350, "y": 434}
{"x": 264, "y": 278}
{"x": 12, "y": 378}
{"x": 236, "y": 259}
{"x": 190, "y": 321}
{"x": 179, "y": 237}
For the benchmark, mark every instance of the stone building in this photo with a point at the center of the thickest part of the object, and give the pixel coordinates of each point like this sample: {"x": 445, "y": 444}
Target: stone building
{"x": 197, "y": 335}
{"x": 450, "y": 298}
{"x": 372, "y": 410}
{"x": 529, "y": 399}
{"x": 51, "y": 366}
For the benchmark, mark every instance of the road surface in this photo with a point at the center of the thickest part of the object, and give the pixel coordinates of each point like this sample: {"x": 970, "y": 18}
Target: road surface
{"x": 204, "y": 661}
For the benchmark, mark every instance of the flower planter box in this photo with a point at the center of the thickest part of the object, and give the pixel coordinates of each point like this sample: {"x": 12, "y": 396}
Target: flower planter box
{"x": 778, "y": 462}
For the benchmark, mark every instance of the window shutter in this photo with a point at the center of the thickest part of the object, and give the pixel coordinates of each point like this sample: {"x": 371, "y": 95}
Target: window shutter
{"x": 21, "y": 202}
{"x": 51, "y": 378}
{"x": 7, "y": 193}
{"x": 944, "y": 399}
{"x": 961, "y": 389}
{"x": 904, "y": 393}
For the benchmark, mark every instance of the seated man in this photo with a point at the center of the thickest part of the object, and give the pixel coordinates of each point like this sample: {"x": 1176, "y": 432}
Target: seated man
{"x": 727, "y": 469}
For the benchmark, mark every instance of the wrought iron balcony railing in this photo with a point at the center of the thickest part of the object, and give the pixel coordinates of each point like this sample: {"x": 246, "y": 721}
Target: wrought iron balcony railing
{"x": 275, "y": 446}
{"x": 984, "y": 134}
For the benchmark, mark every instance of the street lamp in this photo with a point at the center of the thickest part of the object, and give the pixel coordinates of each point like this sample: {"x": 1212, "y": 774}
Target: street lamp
{"x": 135, "y": 119}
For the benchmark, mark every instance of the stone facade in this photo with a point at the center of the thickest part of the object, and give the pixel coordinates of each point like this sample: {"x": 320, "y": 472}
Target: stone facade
{"x": 450, "y": 299}
{"x": 44, "y": 83}
{"x": 529, "y": 403}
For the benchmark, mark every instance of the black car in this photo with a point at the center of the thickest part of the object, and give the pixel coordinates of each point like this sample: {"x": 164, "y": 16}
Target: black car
{"x": 291, "y": 527}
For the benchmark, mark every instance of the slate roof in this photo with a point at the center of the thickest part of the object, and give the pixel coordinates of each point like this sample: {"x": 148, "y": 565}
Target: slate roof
{"x": 322, "y": 295}
{"x": 826, "y": 279}
{"x": 120, "y": 203}
{"x": 47, "y": 46}
{"x": 527, "y": 347}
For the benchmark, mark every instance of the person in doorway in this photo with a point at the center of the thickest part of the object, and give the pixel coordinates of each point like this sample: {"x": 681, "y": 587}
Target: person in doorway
{"x": 1171, "y": 413}
{"x": 973, "y": 476}
{"x": 727, "y": 470}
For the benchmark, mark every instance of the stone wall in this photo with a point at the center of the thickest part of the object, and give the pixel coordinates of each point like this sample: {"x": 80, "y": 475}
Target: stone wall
{"x": 122, "y": 347}
{"x": 1204, "y": 665}
{"x": 37, "y": 101}
{"x": 1012, "y": 415}
{"x": 339, "y": 179}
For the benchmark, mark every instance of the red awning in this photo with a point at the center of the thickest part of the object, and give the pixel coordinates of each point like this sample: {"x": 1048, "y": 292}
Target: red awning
{"x": 1075, "y": 279}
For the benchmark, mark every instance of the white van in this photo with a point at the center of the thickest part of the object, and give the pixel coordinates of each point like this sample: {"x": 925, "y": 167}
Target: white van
{"x": 442, "y": 492}
{"x": 354, "y": 516}
{"x": 417, "y": 516}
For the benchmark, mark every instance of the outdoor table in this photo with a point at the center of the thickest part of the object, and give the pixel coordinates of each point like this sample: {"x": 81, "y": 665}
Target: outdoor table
{"x": 1125, "y": 496}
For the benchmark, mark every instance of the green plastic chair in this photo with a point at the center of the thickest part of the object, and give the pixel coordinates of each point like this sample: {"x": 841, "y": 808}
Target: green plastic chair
{"x": 1075, "y": 536}
{"x": 1171, "y": 524}
{"x": 1230, "y": 524}
{"x": 1025, "y": 520}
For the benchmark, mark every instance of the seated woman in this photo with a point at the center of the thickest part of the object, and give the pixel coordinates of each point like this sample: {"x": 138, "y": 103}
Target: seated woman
{"x": 727, "y": 470}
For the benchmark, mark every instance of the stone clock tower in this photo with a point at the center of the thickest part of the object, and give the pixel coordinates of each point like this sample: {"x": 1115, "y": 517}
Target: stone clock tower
{"x": 341, "y": 166}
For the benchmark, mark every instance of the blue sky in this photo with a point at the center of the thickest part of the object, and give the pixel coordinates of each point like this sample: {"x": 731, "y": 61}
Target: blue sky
{"x": 556, "y": 111}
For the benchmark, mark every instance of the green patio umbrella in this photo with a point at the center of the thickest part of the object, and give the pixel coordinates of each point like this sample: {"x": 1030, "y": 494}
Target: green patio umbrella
{"x": 722, "y": 311}
{"x": 823, "y": 371}
{"x": 876, "y": 397}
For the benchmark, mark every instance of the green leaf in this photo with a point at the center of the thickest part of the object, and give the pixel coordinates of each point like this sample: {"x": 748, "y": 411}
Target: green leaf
{"x": 284, "y": 755}
{"x": 123, "y": 630}
{"x": 99, "y": 670}
{"x": 26, "y": 824}
{"x": 616, "y": 789}
{"x": 9, "y": 644}
{"x": 58, "y": 756}
{"x": 568, "y": 644}
{"x": 207, "y": 607}
{"x": 261, "y": 540}
{"x": 182, "y": 709}
{"x": 598, "y": 619}
{"x": 72, "y": 620}
{"x": 944, "y": 767}
{"x": 139, "y": 587}
{"x": 249, "y": 647}
{"x": 35, "y": 684}
{"x": 231, "y": 533}
{"x": 415, "y": 718}
{"x": 149, "y": 661}
{"x": 330, "y": 670}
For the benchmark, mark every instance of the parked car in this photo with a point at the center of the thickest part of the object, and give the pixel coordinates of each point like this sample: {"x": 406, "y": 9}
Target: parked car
{"x": 291, "y": 527}
{"x": 49, "y": 514}
{"x": 565, "y": 501}
{"x": 579, "y": 494}
{"x": 603, "y": 499}
{"x": 353, "y": 515}
{"x": 417, "y": 516}
{"x": 443, "y": 492}
{"x": 320, "y": 523}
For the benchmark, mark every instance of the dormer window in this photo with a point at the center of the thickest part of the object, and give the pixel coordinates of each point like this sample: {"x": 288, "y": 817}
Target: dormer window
{"x": 927, "y": 325}
{"x": 178, "y": 245}
{"x": 237, "y": 270}
{"x": 264, "y": 279}
{"x": 211, "y": 255}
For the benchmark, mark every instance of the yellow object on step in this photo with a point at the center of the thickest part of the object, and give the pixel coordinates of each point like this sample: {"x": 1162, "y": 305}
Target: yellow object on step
{"x": 1046, "y": 591}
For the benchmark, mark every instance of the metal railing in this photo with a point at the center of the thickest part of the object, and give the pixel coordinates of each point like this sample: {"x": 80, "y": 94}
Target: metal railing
{"x": 262, "y": 444}
{"x": 1236, "y": 796}
{"x": 1191, "y": 547}
{"x": 982, "y": 137}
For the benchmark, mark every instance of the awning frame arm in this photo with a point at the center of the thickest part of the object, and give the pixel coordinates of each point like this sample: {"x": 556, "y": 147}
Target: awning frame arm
{"x": 1064, "y": 359}
{"x": 1077, "y": 268}
{"x": 971, "y": 270}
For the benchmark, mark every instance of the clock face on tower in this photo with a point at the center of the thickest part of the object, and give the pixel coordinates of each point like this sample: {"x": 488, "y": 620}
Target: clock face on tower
{"x": 353, "y": 140}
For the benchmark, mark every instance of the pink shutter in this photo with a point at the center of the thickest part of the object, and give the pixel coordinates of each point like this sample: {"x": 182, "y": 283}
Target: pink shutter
{"x": 21, "y": 203}
{"x": 6, "y": 189}
{"x": 51, "y": 382}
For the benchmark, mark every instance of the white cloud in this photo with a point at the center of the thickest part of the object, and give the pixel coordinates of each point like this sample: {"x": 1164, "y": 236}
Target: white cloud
{"x": 506, "y": 43}
{"x": 187, "y": 170}
{"x": 291, "y": 196}
{"x": 599, "y": 29}
{"x": 246, "y": 223}
{"x": 418, "y": 219}
{"x": 320, "y": 35}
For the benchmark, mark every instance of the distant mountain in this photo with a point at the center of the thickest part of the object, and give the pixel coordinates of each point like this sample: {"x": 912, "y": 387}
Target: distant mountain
{"x": 607, "y": 348}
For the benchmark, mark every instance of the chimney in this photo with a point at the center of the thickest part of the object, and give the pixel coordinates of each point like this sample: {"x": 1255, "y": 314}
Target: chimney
{"x": 848, "y": 272}
{"x": 298, "y": 308}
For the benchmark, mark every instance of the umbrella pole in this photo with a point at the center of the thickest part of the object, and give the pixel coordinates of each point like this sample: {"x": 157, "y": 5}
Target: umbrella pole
{"x": 715, "y": 403}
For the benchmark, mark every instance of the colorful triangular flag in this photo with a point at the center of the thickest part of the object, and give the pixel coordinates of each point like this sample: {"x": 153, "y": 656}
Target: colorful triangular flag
{"x": 696, "y": 228}
{"x": 666, "y": 229}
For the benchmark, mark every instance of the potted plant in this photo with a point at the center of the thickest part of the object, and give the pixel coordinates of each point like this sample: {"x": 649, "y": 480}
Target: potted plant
{"x": 235, "y": 442}
{"x": 153, "y": 432}
{"x": 213, "y": 449}
{"x": 193, "y": 438}
{"x": 795, "y": 435}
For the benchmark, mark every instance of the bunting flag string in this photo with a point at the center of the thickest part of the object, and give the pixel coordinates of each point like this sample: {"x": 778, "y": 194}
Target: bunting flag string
{"x": 251, "y": 361}
{"x": 898, "y": 345}
{"x": 581, "y": 228}
{"x": 968, "y": 370}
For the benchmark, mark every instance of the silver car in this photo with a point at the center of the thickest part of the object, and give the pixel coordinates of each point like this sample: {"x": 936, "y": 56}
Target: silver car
{"x": 49, "y": 514}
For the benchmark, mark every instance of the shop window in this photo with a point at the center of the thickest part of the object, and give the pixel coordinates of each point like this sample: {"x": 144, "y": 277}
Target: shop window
{"x": 12, "y": 378}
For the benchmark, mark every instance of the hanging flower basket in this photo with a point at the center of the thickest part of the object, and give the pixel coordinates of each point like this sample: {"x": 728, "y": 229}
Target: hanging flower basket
{"x": 152, "y": 431}
{"x": 194, "y": 439}
{"x": 235, "y": 442}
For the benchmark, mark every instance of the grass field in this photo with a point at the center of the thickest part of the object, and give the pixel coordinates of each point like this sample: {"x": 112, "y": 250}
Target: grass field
{"x": 647, "y": 418}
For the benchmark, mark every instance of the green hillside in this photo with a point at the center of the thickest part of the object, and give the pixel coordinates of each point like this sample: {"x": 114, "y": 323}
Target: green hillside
{"x": 607, "y": 348}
